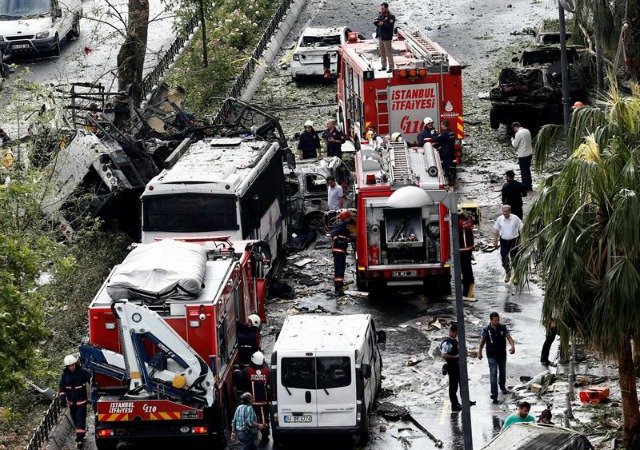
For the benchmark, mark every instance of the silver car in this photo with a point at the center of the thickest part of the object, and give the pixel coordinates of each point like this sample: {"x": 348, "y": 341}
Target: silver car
{"x": 317, "y": 49}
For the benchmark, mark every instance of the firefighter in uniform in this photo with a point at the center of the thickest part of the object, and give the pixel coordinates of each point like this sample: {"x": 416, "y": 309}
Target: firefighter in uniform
{"x": 73, "y": 393}
{"x": 445, "y": 142}
{"x": 467, "y": 245}
{"x": 255, "y": 379}
{"x": 339, "y": 244}
{"x": 248, "y": 338}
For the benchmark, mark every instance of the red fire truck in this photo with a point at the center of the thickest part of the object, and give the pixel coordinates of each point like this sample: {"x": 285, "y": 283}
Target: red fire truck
{"x": 426, "y": 82}
{"x": 403, "y": 234}
{"x": 162, "y": 358}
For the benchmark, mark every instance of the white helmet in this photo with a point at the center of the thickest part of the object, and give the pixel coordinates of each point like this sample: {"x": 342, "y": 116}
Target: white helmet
{"x": 396, "y": 137}
{"x": 70, "y": 360}
{"x": 254, "y": 319}
{"x": 428, "y": 120}
{"x": 257, "y": 358}
{"x": 308, "y": 123}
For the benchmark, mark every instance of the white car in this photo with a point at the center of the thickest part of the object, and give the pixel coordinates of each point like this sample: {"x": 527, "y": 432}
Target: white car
{"x": 318, "y": 48}
{"x": 38, "y": 26}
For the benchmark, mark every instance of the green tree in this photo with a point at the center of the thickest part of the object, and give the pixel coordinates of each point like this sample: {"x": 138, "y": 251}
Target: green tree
{"x": 25, "y": 250}
{"x": 583, "y": 230}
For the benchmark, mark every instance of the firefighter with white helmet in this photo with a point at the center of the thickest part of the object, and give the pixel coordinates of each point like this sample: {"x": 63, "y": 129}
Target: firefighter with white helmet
{"x": 73, "y": 393}
{"x": 428, "y": 132}
{"x": 248, "y": 337}
{"x": 339, "y": 245}
{"x": 255, "y": 379}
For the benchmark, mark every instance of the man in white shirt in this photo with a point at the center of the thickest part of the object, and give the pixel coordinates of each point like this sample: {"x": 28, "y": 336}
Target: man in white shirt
{"x": 521, "y": 141}
{"x": 507, "y": 230}
{"x": 335, "y": 194}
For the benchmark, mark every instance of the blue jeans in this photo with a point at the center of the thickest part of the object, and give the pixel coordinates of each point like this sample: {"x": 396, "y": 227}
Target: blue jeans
{"x": 247, "y": 440}
{"x": 496, "y": 364}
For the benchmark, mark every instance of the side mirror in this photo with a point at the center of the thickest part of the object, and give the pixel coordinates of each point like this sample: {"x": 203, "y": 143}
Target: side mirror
{"x": 289, "y": 158}
{"x": 57, "y": 12}
{"x": 381, "y": 337}
{"x": 366, "y": 370}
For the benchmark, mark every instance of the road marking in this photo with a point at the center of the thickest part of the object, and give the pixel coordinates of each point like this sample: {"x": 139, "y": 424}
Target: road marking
{"x": 445, "y": 410}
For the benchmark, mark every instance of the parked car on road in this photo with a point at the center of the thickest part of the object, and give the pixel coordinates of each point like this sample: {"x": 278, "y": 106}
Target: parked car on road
{"x": 38, "y": 26}
{"x": 306, "y": 188}
{"x": 318, "y": 48}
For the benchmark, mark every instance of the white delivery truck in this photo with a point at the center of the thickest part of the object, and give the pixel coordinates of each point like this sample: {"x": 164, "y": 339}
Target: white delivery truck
{"x": 326, "y": 373}
{"x": 37, "y": 26}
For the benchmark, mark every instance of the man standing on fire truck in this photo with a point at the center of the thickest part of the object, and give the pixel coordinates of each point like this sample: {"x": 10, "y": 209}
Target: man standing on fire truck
{"x": 256, "y": 379}
{"x": 384, "y": 32}
{"x": 339, "y": 244}
{"x": 73, "y": 393}
{"x": 446, "y": 141}
{"x": 334, "y": 139}
{"x": 248, "y": 337}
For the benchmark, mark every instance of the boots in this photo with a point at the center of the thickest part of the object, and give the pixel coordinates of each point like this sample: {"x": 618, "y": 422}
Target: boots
{"x": 507, "y": 276}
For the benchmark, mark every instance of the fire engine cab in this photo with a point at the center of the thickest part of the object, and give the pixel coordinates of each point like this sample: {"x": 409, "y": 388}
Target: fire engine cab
{"x": 163, "y": 340}
{"x": 402, "y": 235}
{"x": 426, "y": 82}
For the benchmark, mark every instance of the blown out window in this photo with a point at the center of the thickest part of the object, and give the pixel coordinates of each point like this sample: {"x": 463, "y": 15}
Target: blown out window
{"x": 189, "y": 213}
{"x": 316, "y": 373}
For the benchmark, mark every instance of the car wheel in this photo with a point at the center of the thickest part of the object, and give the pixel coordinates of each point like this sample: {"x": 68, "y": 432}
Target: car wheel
{"x": 315, "y": 222}
{"x": 75, "y": 29}
{"x": 361, "y": 283}
{"x": 494, "y": 119}
{"x": 56, "y": 48}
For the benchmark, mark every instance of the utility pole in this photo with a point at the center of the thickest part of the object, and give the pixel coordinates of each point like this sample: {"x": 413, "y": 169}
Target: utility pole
{"x": 462, "y": 339}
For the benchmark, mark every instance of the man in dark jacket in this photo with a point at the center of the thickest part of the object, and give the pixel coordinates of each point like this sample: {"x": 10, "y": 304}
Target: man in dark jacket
{"x": 73, "y": 393}
{"x": 467, "y": 245}
{"x": 334, "y": 139}
{"x": 384, "y": 32}
{"x": 445, "y": 142}
{"x": 256, "y": 379}
{"x": 248, "y": 337}
{"x": 450, "y": 353}
{"x": 309, "y": 143}
{"x": 495, "y": 336}
{"x": 339, "y": 244}
{"x": 428, "y": 132}
{"x": 512, "y": 193}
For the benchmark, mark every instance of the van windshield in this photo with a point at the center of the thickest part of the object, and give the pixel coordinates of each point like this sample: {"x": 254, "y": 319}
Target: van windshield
{"x": 316, "y": 373}
{"x": 16, "y": 9}
{"x": 189, "y": 213}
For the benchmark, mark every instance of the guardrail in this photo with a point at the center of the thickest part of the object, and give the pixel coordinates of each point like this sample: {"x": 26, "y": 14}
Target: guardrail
{"x": 48, "y": 423}
{"x": 152, "y": 78}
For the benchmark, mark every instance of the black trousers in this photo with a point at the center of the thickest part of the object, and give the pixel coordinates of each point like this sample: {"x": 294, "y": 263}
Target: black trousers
{"x": 546, "y": 347}
{"x": 525, "y": 171}
{"x": 453, "y": 370}
{"x": 508, "y": 250}
{"x": 339, "y": 266}
{"x": 79, "y": 416}
{"x": 467, "y": 272}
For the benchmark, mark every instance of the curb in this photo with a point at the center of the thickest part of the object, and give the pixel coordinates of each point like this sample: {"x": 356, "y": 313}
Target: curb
{"x": 62, "y": 430}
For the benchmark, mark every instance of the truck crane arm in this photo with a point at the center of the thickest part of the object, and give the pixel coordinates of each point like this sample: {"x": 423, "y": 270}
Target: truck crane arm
{"x": 176, "y": 371}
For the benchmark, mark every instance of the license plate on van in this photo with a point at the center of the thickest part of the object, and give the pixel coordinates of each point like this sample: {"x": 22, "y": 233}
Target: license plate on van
{"x": 19, "y": 46}
{"x": 305, "y": 418}
{"x": 405, "y": 273}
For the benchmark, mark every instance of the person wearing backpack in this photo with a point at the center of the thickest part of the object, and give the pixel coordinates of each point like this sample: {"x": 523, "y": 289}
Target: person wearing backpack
{"x": 244, "y": 425}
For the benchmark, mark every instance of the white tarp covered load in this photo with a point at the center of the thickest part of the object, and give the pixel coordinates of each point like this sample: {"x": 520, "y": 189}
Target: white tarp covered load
{"x": 163, "y": 270}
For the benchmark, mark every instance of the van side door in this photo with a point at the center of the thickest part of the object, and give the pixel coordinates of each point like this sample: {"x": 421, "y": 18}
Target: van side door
{"x": 297, "y": 390}
{"x": 336, "y": 390}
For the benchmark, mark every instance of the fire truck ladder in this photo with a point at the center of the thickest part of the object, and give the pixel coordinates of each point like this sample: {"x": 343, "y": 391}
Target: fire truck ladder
{"x": 382, "y": 111}
{"x": 399, "y": 168}
{"x": 420, "y": 45}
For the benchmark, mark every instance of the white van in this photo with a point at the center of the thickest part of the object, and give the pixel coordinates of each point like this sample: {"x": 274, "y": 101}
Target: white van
{"x": 326, "y": 373}
{"x": 38, "y": 26}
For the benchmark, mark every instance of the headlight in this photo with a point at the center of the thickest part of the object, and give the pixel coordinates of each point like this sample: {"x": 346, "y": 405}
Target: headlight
{"x": 42, "y": 35}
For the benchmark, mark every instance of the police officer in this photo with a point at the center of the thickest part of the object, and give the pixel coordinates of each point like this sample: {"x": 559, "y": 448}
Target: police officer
{"x": 339, "y": 244}
{"x": 446, "y": 141}
{"x": 450, "y": 353}
{"x": 467, "y": 245}
{"x": 248, "y": 337}
{"x": 334, "y": 139}
{"x": 73, "y": 393}
{"x": 256, "y": 379}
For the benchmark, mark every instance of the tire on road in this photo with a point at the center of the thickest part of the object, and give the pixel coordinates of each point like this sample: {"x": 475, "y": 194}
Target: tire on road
{"x": 494, "y": 119}
{"x": 74, "y": 33}
{"x": 314, "y": 222}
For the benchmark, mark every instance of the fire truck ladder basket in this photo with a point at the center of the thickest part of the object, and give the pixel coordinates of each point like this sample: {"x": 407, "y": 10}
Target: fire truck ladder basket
{"x": 399, "y": 164}
{"x": 420, "y": 45}
{"x": 382, "y": 110}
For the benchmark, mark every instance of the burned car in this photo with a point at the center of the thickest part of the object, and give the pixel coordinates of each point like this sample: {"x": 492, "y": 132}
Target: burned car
{"x": 549, "y": 58}
{"x": 317, "y": 52}
{"x": 306, "y": 188}
{"x": 529, "y": 95}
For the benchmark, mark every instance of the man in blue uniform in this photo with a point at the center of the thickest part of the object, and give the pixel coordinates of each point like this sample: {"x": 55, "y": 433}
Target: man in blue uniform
{"x": 334, "y": 139}
{"x": 445, "y": 142}
{"x": 495, "y": 336}
{"x": 73, "y": 393}
{"x": 339, "y": 244}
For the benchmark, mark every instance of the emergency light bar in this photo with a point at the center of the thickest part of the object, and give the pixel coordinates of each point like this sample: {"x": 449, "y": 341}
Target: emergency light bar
{"x": 412, "y": 73}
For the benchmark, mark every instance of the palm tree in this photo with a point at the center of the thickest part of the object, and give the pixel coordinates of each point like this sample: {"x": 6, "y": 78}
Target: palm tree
{"x": 584, "y": 230}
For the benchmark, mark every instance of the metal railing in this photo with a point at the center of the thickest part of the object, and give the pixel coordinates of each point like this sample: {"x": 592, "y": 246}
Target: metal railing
{"x": 153, "y": 78}
{"x": 48, "y": 423}
{"x": 247, "y": 71}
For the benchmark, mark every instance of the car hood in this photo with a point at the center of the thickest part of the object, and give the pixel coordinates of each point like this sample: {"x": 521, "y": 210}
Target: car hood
{"x": 24, "y": 26}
